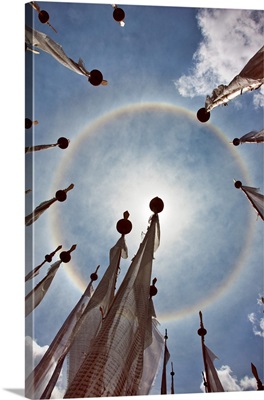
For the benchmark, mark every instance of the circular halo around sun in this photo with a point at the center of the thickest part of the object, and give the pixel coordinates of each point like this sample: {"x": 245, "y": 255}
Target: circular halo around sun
{"x": 120, "y": 162}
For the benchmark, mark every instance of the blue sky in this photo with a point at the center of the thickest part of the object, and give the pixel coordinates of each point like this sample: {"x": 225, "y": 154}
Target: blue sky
{"x": 137, "y": 138}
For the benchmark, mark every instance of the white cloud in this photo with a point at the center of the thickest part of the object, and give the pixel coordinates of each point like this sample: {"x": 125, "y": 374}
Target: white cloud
{"x": 258, "y": 99}
{"x": 33, "y": 354}
{"x": 258, "y": 324}
{"x": 248, "y": 383}
{"x": 230, "y": 39}
{"x": 229, "y": 381}
{"x": 257, "y": 321}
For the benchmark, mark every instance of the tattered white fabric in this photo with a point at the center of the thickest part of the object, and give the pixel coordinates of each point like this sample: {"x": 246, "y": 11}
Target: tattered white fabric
{"x": 36, "y": 383}
{"x": 253, "y": 137}
{"x": 255, "y": 373}
{"x": 152, "y": 356}
{"x": 34, "y": 298}
{"x": 45, "y": 43}
{"x": 113, "y": 365}
{"x": 166, "y": 358}
{"x": 250, "y": 78}
{"x": 255, "y": 198}
{"x": 212, "y": 377}
{"x": 39, "y": 147}
{"x": 96, "y": 310}
{"x": 39, "y": 210}
{"x": 36, "y": 270}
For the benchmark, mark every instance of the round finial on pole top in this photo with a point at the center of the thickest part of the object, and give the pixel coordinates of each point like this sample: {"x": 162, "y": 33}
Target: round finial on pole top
{"x": 236, "y": 142}
{"x": 118, "y": 14}
{"x": 95, "y": 77}
{"x": 48, "y": 258}
{"x": 29, "y": 123}
{"x": 203, "y": 115}
{"x": 63, "y": 143}
{"x": 152, "y": 289}
{"x": 124, "y": 226}
{"x": 238, "y": 184}
{"x": 94, "y": 276}
{"x": 61, "y": 195}
{"x": 65, "y": 256}
{"x": 43, "y": 16}
{"x": 156, "y": 205}
{"x": 202, "y": 331}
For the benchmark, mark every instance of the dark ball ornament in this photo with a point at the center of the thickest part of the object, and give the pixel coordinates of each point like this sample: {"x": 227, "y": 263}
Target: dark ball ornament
{"x": 156, "y": 205}
{"x": 203, "y": 115}
{"x": 28, "y": 123}
{"x": 118, "y": 14}
{"x": 124, "y": 226}
{"x": 238, "y": 184}
{"x": 43, "y": 16}
{"x": 94, "y": 276}
{"x": 202, "y": 332}
{"x": 65, "y": 256}
{"x": 96, "y": 77}
{"x": 236, "y": 142}
{"x": 153, "y": 290}
{"x": 48, "y": 258}
{"x": 61, "y": 195}
{"x": 63, "y": 143}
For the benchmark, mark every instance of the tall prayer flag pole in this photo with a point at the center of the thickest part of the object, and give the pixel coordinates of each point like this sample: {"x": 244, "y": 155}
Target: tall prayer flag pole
{"x": 202, "y": 332}
{"x": 212, "y": 381}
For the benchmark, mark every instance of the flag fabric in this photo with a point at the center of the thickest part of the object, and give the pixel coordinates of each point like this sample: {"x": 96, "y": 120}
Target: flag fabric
{"x": 35, "y": 272}
{"x": 255, "y": 373}
{"x": 255, "y": 198}
{"x": 39, "y": 210}
{"x": 96, "y": 310}
{"x": 34, "y": 298}
{"x": 164, "y": 370}
{"x": 250, "y": 137}
{"x": 45, "y": 43}
{"x": 37, "y": 383}
{"x": 54, "y": 378}
{"x": 251, "y": 77}
{"x": 152, "y": 359}
{"x": 48, "y": 258}
{"x": 62, "y": 143}
{"x": 212, "y": 378}
{"x": 113, "y": 364}
{"x": 39, "y": 147}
